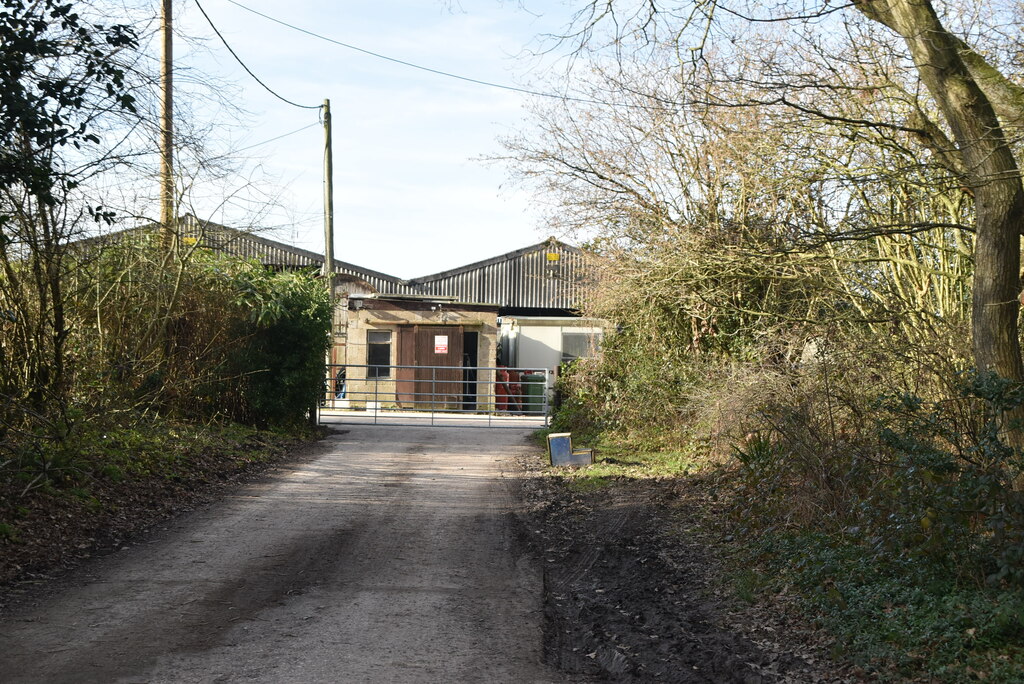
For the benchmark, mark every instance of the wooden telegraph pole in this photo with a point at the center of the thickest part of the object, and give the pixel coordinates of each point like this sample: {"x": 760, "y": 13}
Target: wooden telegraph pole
{"x": 328, "y": 271}
{"x": 167, "y": 131}
{"x": 328, "y": 200}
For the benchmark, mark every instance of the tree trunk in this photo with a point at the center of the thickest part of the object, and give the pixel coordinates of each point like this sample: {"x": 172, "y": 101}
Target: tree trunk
{"x": 993, "y": 174}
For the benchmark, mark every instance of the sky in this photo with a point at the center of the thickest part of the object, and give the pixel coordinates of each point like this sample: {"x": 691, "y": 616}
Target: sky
{"x": 411, "y": 194}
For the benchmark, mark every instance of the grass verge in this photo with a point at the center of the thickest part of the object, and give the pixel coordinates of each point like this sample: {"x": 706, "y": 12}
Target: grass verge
{"x": 907, "y": 620}
{"x": 616, "y": 460}
{"x": 64, "y": 500}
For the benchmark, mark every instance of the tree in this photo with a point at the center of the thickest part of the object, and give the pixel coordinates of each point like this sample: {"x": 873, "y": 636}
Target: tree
{"x": 790, "y": 56}
{"x": 58, "y": 73}
{"x": 991, "y": 169}
{"x": 53, "y": 66}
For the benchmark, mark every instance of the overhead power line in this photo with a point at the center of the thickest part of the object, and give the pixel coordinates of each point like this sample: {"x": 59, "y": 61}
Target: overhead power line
{"x": 247, "y": 69}
{"x": 438, "y": 72}
{"x": 279, "y": 137}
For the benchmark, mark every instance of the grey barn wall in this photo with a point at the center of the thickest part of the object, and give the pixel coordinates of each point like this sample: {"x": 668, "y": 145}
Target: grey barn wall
{"x": 523, "y": 279}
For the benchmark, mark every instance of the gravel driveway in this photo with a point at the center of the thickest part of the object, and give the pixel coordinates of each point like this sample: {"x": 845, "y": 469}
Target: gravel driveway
{"x": 386, "y": 557}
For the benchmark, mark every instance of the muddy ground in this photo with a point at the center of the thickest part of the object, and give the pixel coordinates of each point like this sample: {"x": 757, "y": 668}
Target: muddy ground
{"x": 629, "y": 587}
{"x": 632, "y": 593}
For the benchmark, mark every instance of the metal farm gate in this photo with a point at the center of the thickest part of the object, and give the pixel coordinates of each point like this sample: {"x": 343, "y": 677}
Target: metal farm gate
{"x": 442, "y": 395}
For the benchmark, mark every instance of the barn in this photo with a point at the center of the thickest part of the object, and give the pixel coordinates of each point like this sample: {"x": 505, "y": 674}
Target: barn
{"x": 441, "y": 340}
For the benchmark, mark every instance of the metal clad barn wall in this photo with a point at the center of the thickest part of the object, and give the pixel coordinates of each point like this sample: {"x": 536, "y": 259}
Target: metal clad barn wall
{"x": 515, "y": 280}
{"x": 524, "y": 279}
{"x": 533, "y": 279}
{"x": 502, "y": 284}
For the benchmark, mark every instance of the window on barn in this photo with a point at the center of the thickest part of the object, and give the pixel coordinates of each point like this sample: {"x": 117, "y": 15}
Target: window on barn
{"x": 378, "y": 353}
{"x": 576, "y": 345}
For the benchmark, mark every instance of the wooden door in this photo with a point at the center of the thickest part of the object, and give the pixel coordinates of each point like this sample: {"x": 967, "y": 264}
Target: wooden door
{"x": 424, "y": 346}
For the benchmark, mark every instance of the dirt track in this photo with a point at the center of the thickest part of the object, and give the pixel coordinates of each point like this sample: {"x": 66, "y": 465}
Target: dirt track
{"x": 386, "y": 556}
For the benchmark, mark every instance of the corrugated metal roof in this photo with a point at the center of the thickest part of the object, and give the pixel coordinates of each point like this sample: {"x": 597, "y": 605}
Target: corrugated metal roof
{"x": 548, "y": 275}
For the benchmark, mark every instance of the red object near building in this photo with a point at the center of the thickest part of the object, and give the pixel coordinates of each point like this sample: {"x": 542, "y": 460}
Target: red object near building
{"x": 515, "y": 392}
{"x": 501, "y": 390}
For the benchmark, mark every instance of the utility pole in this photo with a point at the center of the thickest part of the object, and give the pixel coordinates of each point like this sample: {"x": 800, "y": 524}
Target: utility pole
{"x": 328, "y": 200}
{"x": 328, "y": 271}
{"x": 167, "y": 213}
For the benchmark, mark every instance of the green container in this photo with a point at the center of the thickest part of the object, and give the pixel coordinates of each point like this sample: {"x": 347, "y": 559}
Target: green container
{"x": 534, "y": 387}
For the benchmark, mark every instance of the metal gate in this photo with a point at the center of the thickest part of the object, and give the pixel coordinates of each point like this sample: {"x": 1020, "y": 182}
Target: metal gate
{"x": 451, "y": 396}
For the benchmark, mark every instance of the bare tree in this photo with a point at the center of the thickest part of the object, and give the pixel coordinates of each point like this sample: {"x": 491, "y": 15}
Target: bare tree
{"x": 918, "y": 88}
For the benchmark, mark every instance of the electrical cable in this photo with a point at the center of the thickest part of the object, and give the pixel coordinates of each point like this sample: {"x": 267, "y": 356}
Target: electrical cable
{"x": 526, "y": 91}
{"x": 283, "y": 135}
{"x": 247, "y": 69}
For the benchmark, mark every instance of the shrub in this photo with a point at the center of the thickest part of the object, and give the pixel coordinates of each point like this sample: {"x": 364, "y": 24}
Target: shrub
{"x": 206, "y": 336}
{"x": 279, "y": 360}
{"x": 925, "y": 480}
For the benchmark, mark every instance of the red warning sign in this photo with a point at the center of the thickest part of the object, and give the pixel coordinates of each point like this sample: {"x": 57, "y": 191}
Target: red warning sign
{"x": 440, "y": 344}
